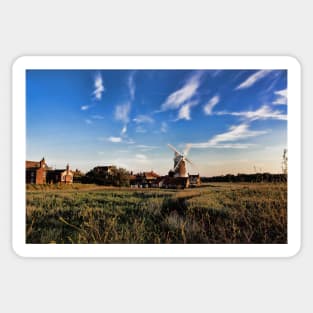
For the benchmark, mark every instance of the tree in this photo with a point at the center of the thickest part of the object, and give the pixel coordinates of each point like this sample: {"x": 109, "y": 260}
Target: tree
{"x": 116, "y": 177}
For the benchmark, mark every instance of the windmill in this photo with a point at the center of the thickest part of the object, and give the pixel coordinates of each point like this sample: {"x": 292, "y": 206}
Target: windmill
{"x": 180, "y": 160}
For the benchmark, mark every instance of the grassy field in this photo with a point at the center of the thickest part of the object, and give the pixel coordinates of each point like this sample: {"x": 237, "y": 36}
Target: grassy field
{"x": 215, "y": 213}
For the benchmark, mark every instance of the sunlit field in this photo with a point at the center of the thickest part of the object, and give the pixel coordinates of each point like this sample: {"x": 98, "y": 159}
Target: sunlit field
{"x": 213, "y": 213}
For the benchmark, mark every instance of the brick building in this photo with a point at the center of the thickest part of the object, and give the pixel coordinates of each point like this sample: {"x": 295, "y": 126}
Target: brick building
{"x": 40, "y": 173}
{"x": 63, "y": 176}
{"x": 36, "y": 172}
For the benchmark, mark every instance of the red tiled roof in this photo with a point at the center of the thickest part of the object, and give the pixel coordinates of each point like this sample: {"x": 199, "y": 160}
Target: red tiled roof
{"x": 30, "y": 164}
{"x": 151, "y": 174}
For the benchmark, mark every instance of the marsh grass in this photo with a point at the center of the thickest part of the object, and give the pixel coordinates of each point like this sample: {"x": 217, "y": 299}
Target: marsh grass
{"x": 216, "y": 213}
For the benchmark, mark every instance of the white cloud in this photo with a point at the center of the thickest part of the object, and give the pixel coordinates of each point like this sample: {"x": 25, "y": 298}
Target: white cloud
{"x": 131, "y": 85}
{"x": 236, "y": 133}
{"x": 124, "y": 130}
{"x": 145, "y": 147}
{"x": 122, "y": 112}
{"x": 180, "y": 96}
{"x": 143, "y": 119}
{"x": 115, "y": 139}
{"x": 88, "y": 122}
{"x": 215, "y": 73}
{"x": 211, "y": 104}
{"x": 85, "y": 107}
{"x": 98, "y": 86}
{"x": 141, "y": 157}
{"x": 263, "y": 113}
{"x": 251, "y": 80}
{"x": 281, "y": 97}
{"x": 184, "y": 112}
{"x": 229, "y": 138}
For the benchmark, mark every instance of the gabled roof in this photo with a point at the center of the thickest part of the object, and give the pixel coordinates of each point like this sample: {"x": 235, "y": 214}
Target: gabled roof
{"x": 32, "y": 164}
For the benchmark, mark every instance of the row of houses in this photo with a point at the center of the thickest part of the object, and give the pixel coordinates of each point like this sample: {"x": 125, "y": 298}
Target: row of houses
{"x": 153, "y": 180}
{"x": 41, "y": 173}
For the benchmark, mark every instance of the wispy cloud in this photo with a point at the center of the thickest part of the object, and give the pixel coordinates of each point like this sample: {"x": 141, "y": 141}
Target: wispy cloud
{"x": 98, "y": 87}
{"x": 122, "y": 112}
{"x": 145, "y": 147}
{"x": 88, "y": 121}
{"x": 124, "y": 130}
{"x": 211, "y": 104}
{"x": 184, "y": 111}
{"x": 130, "y": 141}
{"x": 140, "y": 129}
{"x": 85, "y": 107}
{"x": 230, "y": 138}
{"x": 115, "y": 139}
{"x": 143, "y": 119}
{"x": 252, "y": 79}
{"x": 131, "y": 85}
{"x": 215, "y": 73}
{"x": 281, "y": 97}
{"x": 141, "y": 157}
{"x": 97, "y": 117}
{"x": 185, "y": 93}
{"x": 164, "y": 127}
{"x": 263, "y": 113}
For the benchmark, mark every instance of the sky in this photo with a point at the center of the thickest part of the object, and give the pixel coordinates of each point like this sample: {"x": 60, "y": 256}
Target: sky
{"x": 232, "y": 121}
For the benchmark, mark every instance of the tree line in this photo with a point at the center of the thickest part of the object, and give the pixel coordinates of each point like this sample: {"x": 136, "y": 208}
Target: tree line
{"x": 251, "y": 178}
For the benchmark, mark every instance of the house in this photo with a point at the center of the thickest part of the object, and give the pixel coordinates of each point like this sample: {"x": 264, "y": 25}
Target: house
{"x": 194, "y": 180}
{"x": 36, "y": 172}
{"x": 175, "y": 182}
{"x": 105, "y": 170}
{"x": 63, "y": 176}
{"x": 145, "y": 180}
{"x": 40, "y": 173}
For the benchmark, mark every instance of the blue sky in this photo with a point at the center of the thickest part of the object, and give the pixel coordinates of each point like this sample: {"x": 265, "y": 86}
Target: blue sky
{"x": 233, "y": 121}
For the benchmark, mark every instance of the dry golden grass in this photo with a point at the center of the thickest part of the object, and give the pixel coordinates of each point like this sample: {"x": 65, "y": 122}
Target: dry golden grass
{"x": 215, "y": 213}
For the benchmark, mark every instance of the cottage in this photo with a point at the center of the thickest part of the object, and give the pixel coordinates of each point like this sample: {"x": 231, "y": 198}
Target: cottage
{"x": 194, "y": 180}
{"x": 145, "y": 180}
{"x": 63, "y": 176}
{"x": 36, "y": 172}
{"x": 40, "y": 173}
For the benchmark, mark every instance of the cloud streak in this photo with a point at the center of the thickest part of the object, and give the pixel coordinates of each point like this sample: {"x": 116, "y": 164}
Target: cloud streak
{"x": 115, "y": 139}
{"x": 185, "y": 93}
{"x": 122, "y": 112}
{"x": 230, "y": 138}
{"x": 131, "y": 86}
{"x": 85, "y": 107}
{"x": 140, "y": 119}
{"x": 252, "y": 79}
{"x": 263, "y": 113}
{"x": 98, "y": 87}
{"x": 184, "y": 111}
{"x": 281, "y": 97}
{"x": 211, "y": 104}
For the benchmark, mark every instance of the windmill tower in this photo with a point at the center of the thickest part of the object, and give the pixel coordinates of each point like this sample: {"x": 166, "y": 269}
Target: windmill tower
{"x": 180, "y": 160}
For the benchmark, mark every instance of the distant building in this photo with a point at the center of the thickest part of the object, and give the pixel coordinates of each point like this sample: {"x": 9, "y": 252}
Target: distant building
{"x": 104, "y": 170}
{"x": 63, "y": 176}
{"x": 39, "y": 173}
{"x": 194, "y": 180}
{"x": 36, "y": 172}
{"x": 175, "y": 182}
{"x": 145, "y": 180}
